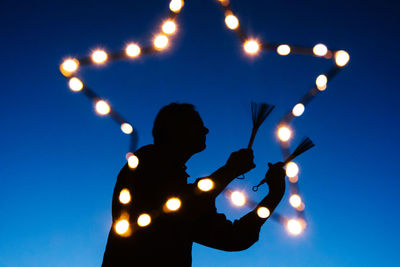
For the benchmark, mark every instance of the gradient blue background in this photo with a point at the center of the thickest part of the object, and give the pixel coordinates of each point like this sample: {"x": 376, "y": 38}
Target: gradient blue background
{"x": 59, "y": 161}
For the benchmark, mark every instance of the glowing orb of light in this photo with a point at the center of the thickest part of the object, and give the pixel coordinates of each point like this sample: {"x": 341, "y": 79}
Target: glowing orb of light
{"x": 69, "y": 66}
{"x": 298, "y": 110}
{"x": 133, "y": 161}
{"x": 160, "y": 42}
{"x": 122, "y": 227}
{"x": 283, "y": 50}
{"x": 132, "y": 50}
{"x": 126, "y": 128}
{"x": 321, "y": 82}
{"x": 175, "y": 5}
{"x": 284, "y": 133}
{"x": 102, "y": 107}
{"x": 169, "y": 27}
{"x": 144, "y": 220}
{"x": 251, "y": 47}
{"x": 205, "y": 184}
{"x": 232, "y": 22}
{"x": 320, "y": 50}
{"x": 342, "y": 58}
{"x": 173, "y": 204}
{"x": 292, "y": 169}
{"x": 124, "y": 196}
{"x": 99, "y": 56}
{"x": 295, "y": 201}
{"x": 238, "y": 198}
{"x": 263, "y": 212}
{"x": 295, "y": 226}
{"x": 75, "y": 84}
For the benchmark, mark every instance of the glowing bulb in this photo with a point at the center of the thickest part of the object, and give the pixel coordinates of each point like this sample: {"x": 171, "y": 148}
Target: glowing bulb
{"x": 69, "y": 66}
{"x": 144, "y": 220}
{"x": 263, "y": 212}
{"x": 232, "y": 22}
{"x": 238, "y": 198}
{"x": 99, "y": 56}
{"x": 102, "y": 107}
{"x": 298, "y": 110}
{"x": 320, "y": 50}
{"x": 342, "y": 58}
{"x": 122, "y": 227}
{"x": 160, "y": 42}
{"x": 283, "y": 50}
{"x": 132, "y": 50}
{"x": 205, "y": 184}
{"x": 176, "y": 5}
{"x": 75, "y": 84}
{"x": 126, "y": 128}
{"x": 125, "y": 196}
{"x": 133, "y": 161}
{"x": 169, "y": 27}
{"x": 251, "y": 47}
{"x": 173, "y": 204}
{"x": 284, "y": 133}
{"x": 295, "y": 227}
{"x": 292, "y": 169}
{"x": 295, "y": 201}
{"x": 321, "y": 82}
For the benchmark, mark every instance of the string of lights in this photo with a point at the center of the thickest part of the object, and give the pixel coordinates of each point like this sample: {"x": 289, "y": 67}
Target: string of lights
{"x": 124, "y": 225}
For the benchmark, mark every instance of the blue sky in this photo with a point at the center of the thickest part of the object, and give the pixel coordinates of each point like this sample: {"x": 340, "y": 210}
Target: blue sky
{"x": 59, "y": 160}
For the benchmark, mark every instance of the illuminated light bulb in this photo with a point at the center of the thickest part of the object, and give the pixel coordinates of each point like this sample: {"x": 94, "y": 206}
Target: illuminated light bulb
{"x": 169, "y": 27}
{"x": 294, "y": 179}
{"x": 124, "y": 196}
{"x": 342, "y": 58}
{"x": 69, "y": 66}
{"x": 251, "y": 47}
{"x": 205, "y": 184}
{"x": 126, "y": 128}
{"x": 144, "y": 220}
{"x": 133, "y": 161}
{"x": 283, "y": 50}
{"x": 232, "y": 22}
{"x": 160, "y": 42}
{"x": 132, "y": 50}
{"x": 176, "y": 5}
{"x": 292, "y": 169}
{"x": 320, "y": 50}
{"x": 75, "y": 84}
{"x": 263, "y": 212}
{"x": 295, "y": 227}
{"x": 238, "y": 198}
{"x": 321, "y": 82}
{"x": 298, "y": 110}
{"x": 301, "y": 207}
{"x": 99, "y": 56}
{"x": 173, "y": 204}
{"x": 284, "y": 133}
{"x": 102, "y": 107}
{"x": 122, "y": 227}
{"x": 295, "y": 201}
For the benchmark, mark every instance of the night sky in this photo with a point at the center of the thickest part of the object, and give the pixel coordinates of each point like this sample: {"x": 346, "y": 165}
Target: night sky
{"x": 59, "y": 160}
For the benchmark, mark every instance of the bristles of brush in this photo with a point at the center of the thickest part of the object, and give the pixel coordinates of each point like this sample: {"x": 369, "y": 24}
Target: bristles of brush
{"x": 305, "y": 145}
{"x": 259, "y": 112}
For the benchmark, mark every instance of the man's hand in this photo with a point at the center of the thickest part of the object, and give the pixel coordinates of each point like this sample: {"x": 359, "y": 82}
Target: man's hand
{"x": 275, "y": 178}
{"x": 241, "y": 162}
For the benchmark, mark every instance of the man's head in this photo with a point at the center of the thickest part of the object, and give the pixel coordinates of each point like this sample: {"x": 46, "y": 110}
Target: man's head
{"x": 181, "y": 126}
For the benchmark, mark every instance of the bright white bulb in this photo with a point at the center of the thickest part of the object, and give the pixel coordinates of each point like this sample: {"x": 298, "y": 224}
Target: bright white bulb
{"x": 263, "y": 212}
{"x": 102, "y": 107}
{"x": 125, "y": 196}
{"x": 99, "y": 56}
{"x": 298, "y": 110}
{"x": 144, "y": 220}
{"x": 133, "y": 161}
{"x": 160, "y": 42}
{"x": 69, "y": 66}
{"x": 251, "y": 47}
{"x": 342, "y": 58}
{"x": 295, "y": 227}
{"x": 175, "y": 5}
{"x": 126, "y": 128}
{"x": 122, "y": 226}
{"x": 284, "y": 133}
{"x": 320, "y": 50}
{"x": 321, "y": 82}
{"x": 238, "y": 198}
{"x": 75, "y": 84}
{"x": 132, "y": 50}
{"x": 295, "y": 201}
{"x": 232, "y": 22}
{"x": 173, "y": 204}
{"x": 283, "y": 50}
{"x": 169, "y": 27}
{"x": 205, "y": 184}
{"x": 292, "y": 169}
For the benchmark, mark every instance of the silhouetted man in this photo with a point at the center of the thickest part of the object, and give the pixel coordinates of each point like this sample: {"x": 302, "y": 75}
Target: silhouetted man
{"x": 179, "y": 133}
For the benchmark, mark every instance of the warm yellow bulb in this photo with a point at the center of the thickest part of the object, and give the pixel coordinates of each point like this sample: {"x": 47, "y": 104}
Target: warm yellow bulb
{"x": 295, "y": 226}
{"x": 144, "y": 220}
{"x": 132, "y": 50}
{"x": 251, "y": 47}
{"x": 298, "y": 110}
{"x": 292, "y": 169}
{"x": 295, "y": 201}
{"x": 126, "y": 128}
{"x": 102, "y": 107}
{"x": 205, "y": 184}
{"x": 99, "y": 56}
{"x": 176, "y": 5}
{"x": 320, "y": 50}
{"x": 263, "y": 212}
{"x": 122, "y": 227}
{"x": 69, "y": 66}
{"x": 173, "y": 204}
{"x": 232, "y": 22}
{"x": 133, "y": 161}
{"x": 321, "y": 82}
{"x": 283, "y": 50}
{"x": 124, "y": 196}
{"x": 160, "y": 42}
{"x": 75, "y": 84}
{"x": 169, "y": 27}
{"x": 284, "y": 133}
{"x": 238, "y": 198}
{"x": 342, "y": 58}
